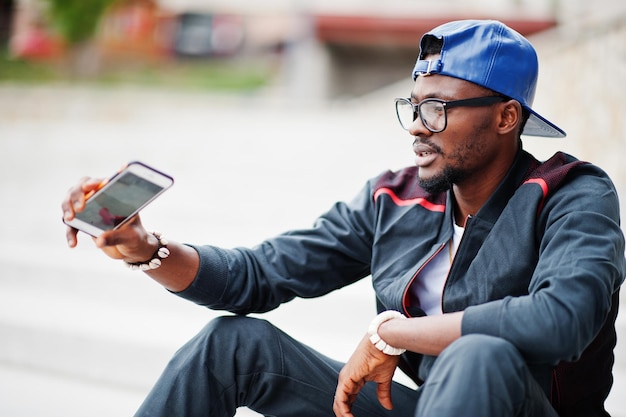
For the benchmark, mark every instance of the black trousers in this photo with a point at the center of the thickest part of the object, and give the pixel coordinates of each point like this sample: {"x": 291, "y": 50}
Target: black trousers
{"x": 237, "y": 361}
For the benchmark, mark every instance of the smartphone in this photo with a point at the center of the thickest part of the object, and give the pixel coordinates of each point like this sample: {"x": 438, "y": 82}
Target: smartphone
{"x": 120, "y": 198}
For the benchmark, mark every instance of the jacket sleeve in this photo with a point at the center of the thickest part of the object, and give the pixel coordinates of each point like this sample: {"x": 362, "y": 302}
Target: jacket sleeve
{"x": 581, "y": 265}
{"x": 335, "y": 252}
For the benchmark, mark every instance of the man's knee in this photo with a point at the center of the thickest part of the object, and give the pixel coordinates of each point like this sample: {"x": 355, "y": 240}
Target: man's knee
{"x": 475, "y": 354}
{"x": 486, "y": 363}
{"x": 481, "y": 375}
{"x": 226, "y": 347}
{"x": 481, "y": 347}
{"x": 236, "y": 326}
{"x": 228, "y": 334}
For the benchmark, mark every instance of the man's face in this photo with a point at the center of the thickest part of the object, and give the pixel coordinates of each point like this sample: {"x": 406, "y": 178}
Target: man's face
{"x": 463, "y": 152}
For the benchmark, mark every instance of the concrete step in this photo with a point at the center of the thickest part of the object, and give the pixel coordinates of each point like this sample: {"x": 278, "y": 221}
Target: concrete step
{"x": 87, "y": 326}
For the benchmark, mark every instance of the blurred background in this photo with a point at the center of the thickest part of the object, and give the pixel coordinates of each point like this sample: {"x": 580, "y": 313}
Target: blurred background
{"x": 265, "y": 114}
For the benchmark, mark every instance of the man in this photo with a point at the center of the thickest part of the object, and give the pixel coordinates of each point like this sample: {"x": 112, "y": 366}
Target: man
{"x": 496, "y": 276}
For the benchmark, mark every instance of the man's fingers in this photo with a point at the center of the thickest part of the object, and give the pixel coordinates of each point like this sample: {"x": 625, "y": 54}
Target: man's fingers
{"x": 345, "y": 395}
{"x": 76, "y": 196}
{"x": 71, "y": 237}
{"x": 384, "y": 395}
{"x": 342, "y": 405}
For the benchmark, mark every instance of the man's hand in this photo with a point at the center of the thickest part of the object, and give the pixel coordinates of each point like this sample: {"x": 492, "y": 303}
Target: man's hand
{"x": 366, "y": 364}
{"x": 131, "y": 242}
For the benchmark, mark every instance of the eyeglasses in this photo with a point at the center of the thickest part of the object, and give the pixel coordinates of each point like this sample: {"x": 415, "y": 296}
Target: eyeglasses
{"x": 432, "y": 111}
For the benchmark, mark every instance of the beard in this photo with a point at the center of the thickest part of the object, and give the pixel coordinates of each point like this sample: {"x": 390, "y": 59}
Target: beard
{"x": 442, "y": 182}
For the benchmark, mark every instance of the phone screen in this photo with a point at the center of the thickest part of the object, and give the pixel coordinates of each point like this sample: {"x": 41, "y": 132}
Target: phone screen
{"x": 119, "y": 200}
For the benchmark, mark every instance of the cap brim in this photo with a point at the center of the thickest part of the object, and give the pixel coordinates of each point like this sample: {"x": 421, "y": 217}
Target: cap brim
{"x": 538, "y": 126}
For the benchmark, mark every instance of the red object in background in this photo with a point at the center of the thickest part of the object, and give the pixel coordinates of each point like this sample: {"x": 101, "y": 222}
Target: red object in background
{"x": 398, "y": 31}
{"x": 35, "y": 43}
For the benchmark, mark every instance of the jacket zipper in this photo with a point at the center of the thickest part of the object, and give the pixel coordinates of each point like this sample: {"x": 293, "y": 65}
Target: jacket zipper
{"x": 443, "y": 290}
{"x": 406, "y": 289}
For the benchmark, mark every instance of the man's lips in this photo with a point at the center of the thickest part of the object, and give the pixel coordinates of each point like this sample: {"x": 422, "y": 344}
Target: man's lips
{"x": 424, "y": 154}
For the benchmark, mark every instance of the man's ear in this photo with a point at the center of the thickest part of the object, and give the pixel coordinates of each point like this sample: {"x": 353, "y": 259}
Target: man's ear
{"x": 510, "y": 116}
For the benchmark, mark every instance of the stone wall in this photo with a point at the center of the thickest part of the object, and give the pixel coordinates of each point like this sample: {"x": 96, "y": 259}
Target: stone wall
{"x": 581, "y": 89}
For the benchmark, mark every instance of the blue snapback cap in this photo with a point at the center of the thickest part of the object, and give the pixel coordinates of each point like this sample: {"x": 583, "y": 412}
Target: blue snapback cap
{"x": 492, "y": 55}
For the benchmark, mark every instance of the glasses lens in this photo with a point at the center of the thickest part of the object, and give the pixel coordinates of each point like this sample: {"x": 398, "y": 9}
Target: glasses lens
{"x": 404, "y": 110}
{"x": 433, "y": 113}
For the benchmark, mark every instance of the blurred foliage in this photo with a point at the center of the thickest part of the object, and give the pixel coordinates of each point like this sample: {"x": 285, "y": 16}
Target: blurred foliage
{"x": 20, "y": 70}
{"x": 77, "y": 20}
{"x": 221, "y": 75}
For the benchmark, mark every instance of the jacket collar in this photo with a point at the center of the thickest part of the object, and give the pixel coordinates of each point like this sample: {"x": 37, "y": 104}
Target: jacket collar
{"x": 522, "y": 165}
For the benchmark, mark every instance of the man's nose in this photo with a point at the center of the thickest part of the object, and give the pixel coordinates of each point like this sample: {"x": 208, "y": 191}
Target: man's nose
{"x": 417, "y": 128}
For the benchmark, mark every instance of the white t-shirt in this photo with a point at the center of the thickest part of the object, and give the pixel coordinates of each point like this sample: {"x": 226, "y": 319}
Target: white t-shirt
{"x": 431, "y": 280}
